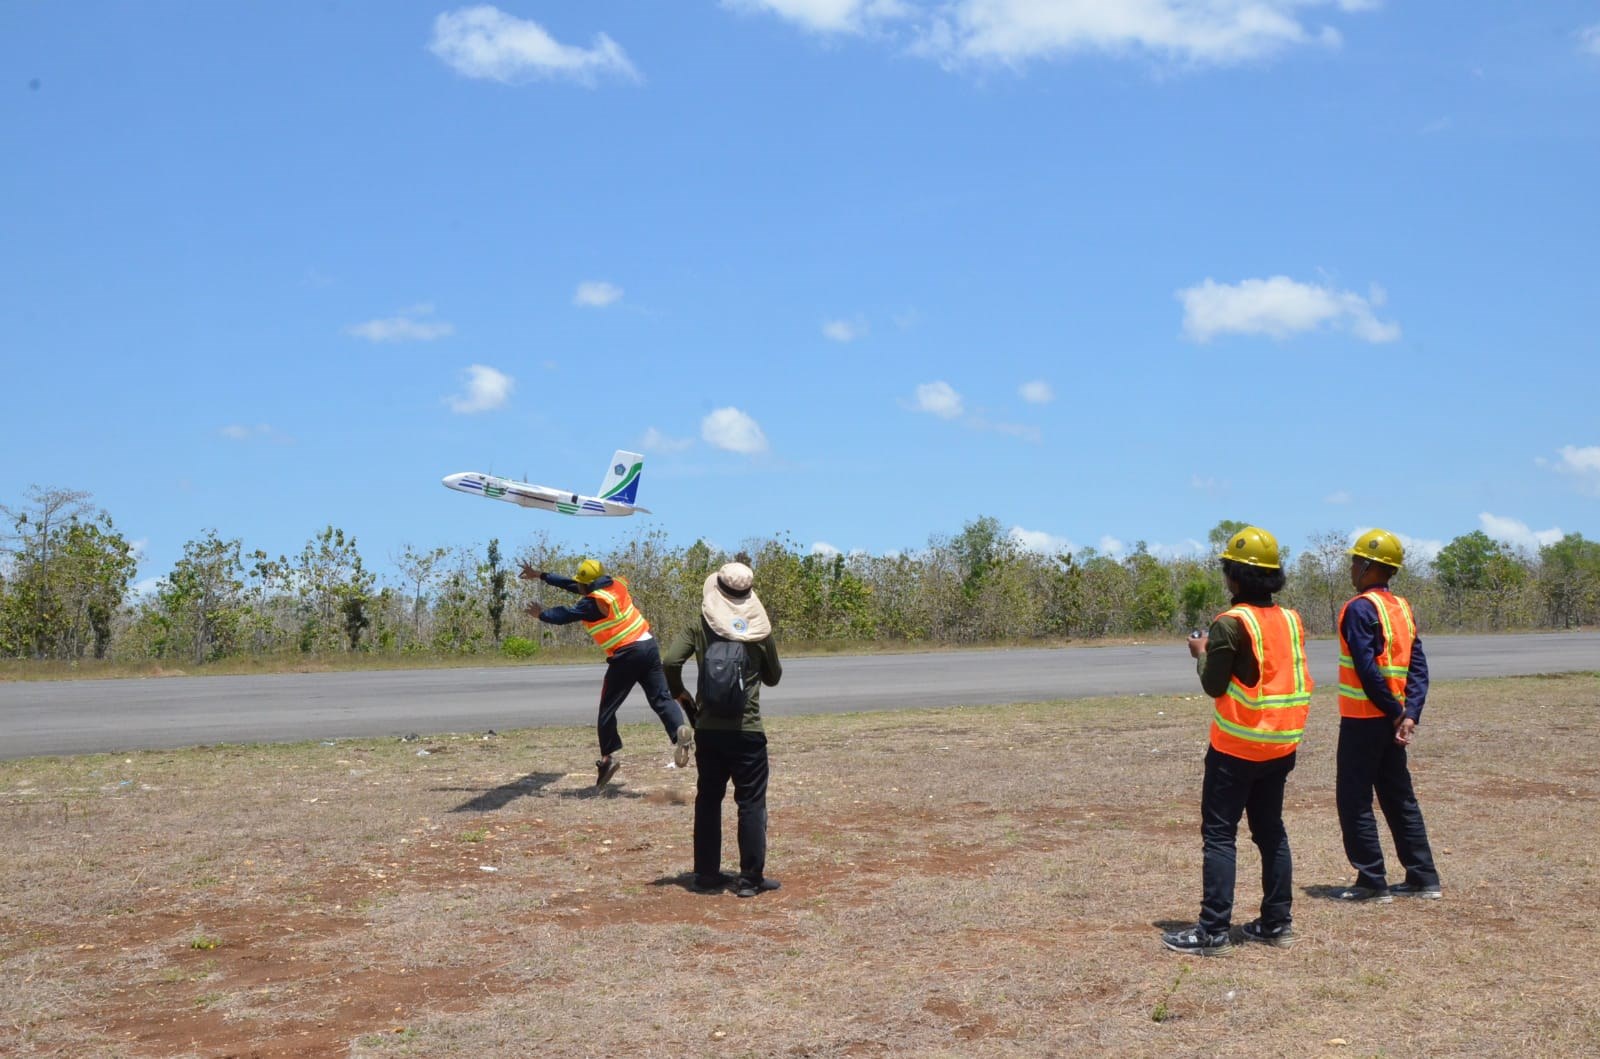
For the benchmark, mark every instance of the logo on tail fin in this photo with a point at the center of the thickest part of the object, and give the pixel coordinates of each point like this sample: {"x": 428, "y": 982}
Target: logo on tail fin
{"x": 621, "y": 485}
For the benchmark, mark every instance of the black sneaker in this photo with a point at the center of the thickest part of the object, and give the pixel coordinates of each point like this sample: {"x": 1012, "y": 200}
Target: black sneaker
{"x": 1359, "y": 894}
{"x": 1197, "y": 942}
{"x": 1427, "y": 893}
{"x": 605, "y": 768}
{"x": 1280, "y": 937}
{"x": 750, "y": 887}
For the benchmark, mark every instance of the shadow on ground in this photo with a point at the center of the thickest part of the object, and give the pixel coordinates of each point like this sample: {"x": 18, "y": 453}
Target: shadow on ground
{"x": 532, "y": 785}
{"x": 685, "y": 881}
{"x": 492, "y": 798}
{"x": 1329, "y": 893}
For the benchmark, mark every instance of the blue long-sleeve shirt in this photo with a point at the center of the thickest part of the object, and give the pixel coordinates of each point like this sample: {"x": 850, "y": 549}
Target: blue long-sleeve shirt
{"x": 1363, "y": 631}
{"x": 586, "y": 609}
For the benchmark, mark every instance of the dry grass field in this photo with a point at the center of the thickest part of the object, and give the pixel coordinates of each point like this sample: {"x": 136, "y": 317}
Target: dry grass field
{"x": 979, "y": 882}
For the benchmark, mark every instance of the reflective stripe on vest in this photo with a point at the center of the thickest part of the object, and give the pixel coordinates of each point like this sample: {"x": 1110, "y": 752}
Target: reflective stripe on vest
{"x": 620, "y": 623}
{"x": 1266, "y": 721}
{"x": 1394, "y": 661}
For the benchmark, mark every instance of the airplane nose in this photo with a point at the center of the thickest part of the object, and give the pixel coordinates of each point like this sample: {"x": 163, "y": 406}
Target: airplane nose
{"x": 451, "y": 481}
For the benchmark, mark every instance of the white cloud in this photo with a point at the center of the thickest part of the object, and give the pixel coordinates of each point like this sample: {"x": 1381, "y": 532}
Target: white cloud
{"x": 1013, "y": 32}
{"x": 1040, "y": 541}
{"x": 486, "y": 390}
{"x": 596, "y": 294}
{"x": 823, "y": 548}
{"x": 1112, "y": 546}
{"x": 1280, "y": 307}
{"x": 1037, "y": 392}
{"x": 1516, "y": 532}
{"x": 845, "y": 330}
{"x": 1188, "y": 548}
{"x": 655, "y": 441}
{"x": 147, "y": 588}
{"x": 827, "y": 16}
{"x": 484, "y": 42}
{"x": 940, "y": 399}
{"x": 404, "y": 326}
{"x": 734, "y": 431}
{"x": 1582, "y": 463}
{"x": 1338, "y": 496}
{"x": 1415, "y": 548}
{"x": 1589, "y": 40}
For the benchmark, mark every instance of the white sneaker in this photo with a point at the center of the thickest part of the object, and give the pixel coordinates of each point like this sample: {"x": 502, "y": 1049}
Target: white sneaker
{"x": 683, "y": 749}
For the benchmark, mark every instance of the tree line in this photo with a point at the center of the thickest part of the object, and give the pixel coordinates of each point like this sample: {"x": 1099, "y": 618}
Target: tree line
{"x": 66, "y": 573}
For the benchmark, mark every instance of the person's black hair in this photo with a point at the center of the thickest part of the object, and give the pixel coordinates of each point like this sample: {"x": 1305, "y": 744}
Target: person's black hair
{"x": 1255, "y": 582}
{"x": 1385, "y": 569}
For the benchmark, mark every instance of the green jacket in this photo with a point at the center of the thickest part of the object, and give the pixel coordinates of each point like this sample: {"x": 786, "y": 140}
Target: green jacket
{"x": 691, "y": 643}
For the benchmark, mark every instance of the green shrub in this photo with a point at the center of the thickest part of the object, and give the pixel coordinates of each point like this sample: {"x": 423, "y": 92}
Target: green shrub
{"x": 518, "y": 647}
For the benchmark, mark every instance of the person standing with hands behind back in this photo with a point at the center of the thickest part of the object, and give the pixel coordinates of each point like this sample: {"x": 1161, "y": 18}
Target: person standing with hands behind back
{"x": 1253, "y": 664}
{"x": 734, "y": 655}
{"x": 1383, "y": 682}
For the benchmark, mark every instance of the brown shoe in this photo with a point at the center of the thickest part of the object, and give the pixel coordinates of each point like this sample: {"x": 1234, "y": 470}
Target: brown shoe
{"x": 683, "y": 749}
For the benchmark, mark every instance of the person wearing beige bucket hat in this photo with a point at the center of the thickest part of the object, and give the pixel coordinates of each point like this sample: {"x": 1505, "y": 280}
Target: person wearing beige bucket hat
{"x": 734, "y": 655}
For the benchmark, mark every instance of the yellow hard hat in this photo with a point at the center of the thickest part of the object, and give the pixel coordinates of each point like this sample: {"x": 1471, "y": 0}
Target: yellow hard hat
{"x": 1252, "y": 546}
{"x": 589, "y": 571}
{"x": 1380, "y": 546}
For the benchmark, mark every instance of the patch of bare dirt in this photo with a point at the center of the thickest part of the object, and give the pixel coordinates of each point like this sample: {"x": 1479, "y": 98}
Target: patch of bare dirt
{"x": 362, "y": 901}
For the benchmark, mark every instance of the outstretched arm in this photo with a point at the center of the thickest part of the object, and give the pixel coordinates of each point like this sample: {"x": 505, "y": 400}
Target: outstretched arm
{"x": 566, "y": 584}
{"x": 583, "y": 610}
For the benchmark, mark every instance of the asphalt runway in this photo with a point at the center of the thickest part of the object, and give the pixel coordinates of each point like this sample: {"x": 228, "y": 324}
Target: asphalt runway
{"x": 90, "y": 716}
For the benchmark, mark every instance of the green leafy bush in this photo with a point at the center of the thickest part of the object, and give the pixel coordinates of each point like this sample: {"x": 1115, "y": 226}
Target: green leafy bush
{"x": 518, "y": 647}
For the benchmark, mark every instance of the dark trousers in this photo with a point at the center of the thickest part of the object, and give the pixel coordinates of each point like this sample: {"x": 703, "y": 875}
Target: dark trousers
{"x": 1370, "y": 760}
{"x": 1235, "y": 787}
{"x": 742, "y": 757}
{"x": 640, "y": 664}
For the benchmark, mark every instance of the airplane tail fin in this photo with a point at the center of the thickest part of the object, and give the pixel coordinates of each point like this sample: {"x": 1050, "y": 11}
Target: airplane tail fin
{"x": 621, "y": 484}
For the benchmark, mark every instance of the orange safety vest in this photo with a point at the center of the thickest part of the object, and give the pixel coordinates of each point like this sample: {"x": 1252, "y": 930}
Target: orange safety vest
{"x": 621, "y": 623}
{"x": 1394, "y": 661}
{"x": 1266, "y": 721}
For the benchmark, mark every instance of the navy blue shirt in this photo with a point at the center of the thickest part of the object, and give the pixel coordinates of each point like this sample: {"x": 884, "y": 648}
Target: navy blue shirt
{"x": 1363, "y": 631}
{"x": 586, "y": 609}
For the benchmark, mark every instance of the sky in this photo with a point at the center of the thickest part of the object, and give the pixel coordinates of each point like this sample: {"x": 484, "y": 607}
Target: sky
{"x": 856, "y": 272}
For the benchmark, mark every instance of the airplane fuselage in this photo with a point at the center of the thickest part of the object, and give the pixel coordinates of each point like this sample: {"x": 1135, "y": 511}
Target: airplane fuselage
{"x": 540, "y": 497}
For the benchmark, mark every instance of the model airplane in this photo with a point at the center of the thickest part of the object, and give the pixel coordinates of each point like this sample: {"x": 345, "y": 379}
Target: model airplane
{"x": 617, "y": 491}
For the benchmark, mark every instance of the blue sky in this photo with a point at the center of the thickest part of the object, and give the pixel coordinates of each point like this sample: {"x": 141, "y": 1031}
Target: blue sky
{"x": 858, "y": 271}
